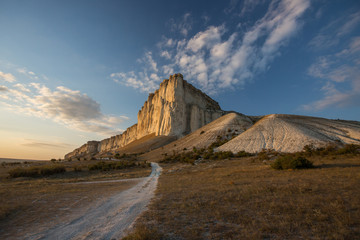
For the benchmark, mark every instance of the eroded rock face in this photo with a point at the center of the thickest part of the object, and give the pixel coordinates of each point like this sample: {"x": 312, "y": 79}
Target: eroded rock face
{"x": 91, "y": 147}
{"x": 175, "y": 109}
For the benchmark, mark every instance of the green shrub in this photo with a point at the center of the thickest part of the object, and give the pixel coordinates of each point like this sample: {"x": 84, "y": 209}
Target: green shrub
{"x": 37, "y": 171}
{"x": 243, "y": 154}
{"x": 50, "y": 170}
{"x": 331, "y": 149}
{"x": 291, "y": 161}
{"x": 107, "y": 166}
{"x": 349, "y": 149}
{"x": 267, "y": 154}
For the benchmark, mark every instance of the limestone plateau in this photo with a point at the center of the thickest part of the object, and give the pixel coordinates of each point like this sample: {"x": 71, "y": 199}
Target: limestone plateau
{"x": 179, "y": 112}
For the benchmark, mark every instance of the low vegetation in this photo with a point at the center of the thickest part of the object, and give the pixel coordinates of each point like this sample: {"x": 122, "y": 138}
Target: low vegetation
{"x": 291, "y": 161}
{"x": 244, "y": 198}
{"x": 41, "y": 171}
{"x": 203, "y": 153}
{"x": 36, "y": 197}
{"x": 107, "y": 166}
{"x": 331, "y": 150}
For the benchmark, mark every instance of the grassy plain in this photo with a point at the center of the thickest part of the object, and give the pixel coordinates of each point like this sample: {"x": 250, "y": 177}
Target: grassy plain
{"x": 28, "y": 202}
{"x": 244, "y": 198}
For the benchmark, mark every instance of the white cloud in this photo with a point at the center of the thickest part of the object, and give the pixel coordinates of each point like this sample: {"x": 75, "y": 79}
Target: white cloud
{"x": 30, "y": 74}
{"x": 342, "y": 78}
{"x": 352, "y": 21}
{"x": 215, "y": 58}
{"x": 8, "y": 77}
{"x": 3, "y": 88}
{"x": 141, "y": 81}
{"x": 21, "y": 87}
{"x": 165, "y": 54}
{"x": 41, "y": 144}
{"x": 148, "y": 59}
{"x": 331, "y": 34}
{"x": 183, "y": 26}
{"x": 63, "y": 105}
{"x": 205, "y": 39}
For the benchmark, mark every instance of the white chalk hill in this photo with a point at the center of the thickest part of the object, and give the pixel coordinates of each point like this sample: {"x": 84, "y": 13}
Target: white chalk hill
{"x": 229, "y": 125}
{"x": 290, "y": 133}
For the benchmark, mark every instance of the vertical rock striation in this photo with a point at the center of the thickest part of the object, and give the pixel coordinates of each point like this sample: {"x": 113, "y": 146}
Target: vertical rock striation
{"x": 175, "y": 109}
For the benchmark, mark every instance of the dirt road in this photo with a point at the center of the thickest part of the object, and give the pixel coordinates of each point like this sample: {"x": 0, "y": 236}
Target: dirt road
{"x": 110, "y": 218}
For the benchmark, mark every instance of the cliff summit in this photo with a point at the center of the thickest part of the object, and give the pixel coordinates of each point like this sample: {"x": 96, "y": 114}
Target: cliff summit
{"x": 176, "y": 109}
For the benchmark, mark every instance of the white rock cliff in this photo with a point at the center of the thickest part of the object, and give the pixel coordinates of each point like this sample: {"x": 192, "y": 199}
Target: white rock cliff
{"x": 175, "y": 109}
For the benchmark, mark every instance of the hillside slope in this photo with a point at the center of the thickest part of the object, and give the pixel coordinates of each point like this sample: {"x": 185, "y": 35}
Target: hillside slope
{"x": 290, "y": 133}
{"x": 226, "y": 126}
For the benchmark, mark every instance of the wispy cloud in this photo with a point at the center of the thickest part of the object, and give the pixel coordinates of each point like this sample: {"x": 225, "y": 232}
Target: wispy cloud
{"x": 216, "y": 58}
{"x": 341, "y": 73}
{"x": 33, "y": 143}
{"x": 183, "y": 25}
{"x": 3, "y": 88}
{"x": 331, "y": 34}
{"x": 7, "y": 77}
{"x": 21, "y": 87}
{"x": 63, "y": 105}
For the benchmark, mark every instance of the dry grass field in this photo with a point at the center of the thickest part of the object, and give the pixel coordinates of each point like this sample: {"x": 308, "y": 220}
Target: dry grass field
{"x": 26, "y": 203}
{"x": 245, "y": 198}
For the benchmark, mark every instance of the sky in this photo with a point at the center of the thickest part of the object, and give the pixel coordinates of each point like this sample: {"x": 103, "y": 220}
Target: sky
{"x": 74, "y": 71}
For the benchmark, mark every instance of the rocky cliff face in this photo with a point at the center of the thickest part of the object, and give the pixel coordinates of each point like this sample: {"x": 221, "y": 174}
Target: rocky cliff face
{"x": 175, "y": 109}
{"x": 91, "y": 147}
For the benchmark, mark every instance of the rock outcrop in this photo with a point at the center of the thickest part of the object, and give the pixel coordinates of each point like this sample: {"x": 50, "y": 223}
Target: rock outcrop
{"x": 176, "y": 109}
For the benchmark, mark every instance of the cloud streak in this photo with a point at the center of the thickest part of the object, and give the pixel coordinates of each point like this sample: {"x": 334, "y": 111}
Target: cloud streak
{"x": 7, "y": 77}
{"x": 331, "y": 34}
{"x": 341, "y": 73}
{"x": 39, "y": 144}
{"x": 216, "y": 59}
{"x": 71, "y": 108}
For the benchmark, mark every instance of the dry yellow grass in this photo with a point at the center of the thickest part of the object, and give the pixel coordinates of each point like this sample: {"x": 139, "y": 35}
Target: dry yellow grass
{"x": 26, "y": 203}
{"x": 246, "y": 199}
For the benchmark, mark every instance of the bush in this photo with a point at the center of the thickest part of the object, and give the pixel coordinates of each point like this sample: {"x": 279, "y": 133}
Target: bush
{"x": 50, "y": 170}
{"x": 291, "y": 161}
{"x": 36, "y": 171}
{"x": 267, "y": 154}
{"x": 349, "y": 149}
{"x": 331, "y": 150}
{"x": 107, "y": 166}
{"x": 243, "y": 154}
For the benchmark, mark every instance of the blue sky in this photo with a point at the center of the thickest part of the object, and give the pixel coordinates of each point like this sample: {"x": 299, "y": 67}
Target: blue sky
{"x": 73, "y": 71}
